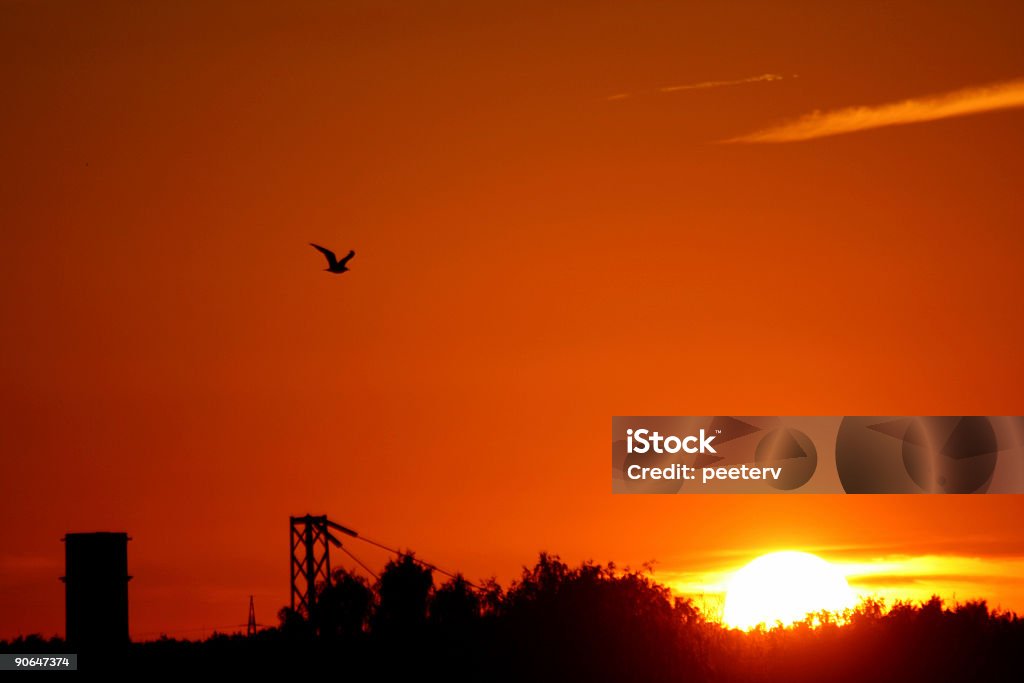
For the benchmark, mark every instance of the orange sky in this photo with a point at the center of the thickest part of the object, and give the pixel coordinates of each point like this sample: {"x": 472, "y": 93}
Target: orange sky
{"x": 533, "y": 258}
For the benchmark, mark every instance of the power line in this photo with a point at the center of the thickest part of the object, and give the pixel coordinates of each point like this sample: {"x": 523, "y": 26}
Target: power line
{"x": 424, "y": 563}
{"x": 360, "y": 562}
{"x": 326, "y": 538}
{"x": 310, "y": 541}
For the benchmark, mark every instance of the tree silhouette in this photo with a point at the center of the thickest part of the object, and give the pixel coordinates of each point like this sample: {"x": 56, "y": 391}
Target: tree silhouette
{"x": 342, "y": 609}
{"x": 455, "y": 606}
{"x": 590, "y": 622}
{"x": 595, "y": 621}
{"x": 294, "y": 625}
{"x": 403, "y": 592}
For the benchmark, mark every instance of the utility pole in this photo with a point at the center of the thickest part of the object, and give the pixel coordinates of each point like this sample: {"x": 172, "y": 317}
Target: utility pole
{"x": 250, "y": 628}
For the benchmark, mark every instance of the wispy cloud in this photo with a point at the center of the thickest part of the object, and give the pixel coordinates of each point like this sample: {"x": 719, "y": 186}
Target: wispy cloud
{"x": 1007, "y": 95}
{"x": 721, "y": 84}
{"x": 702, "y": 86}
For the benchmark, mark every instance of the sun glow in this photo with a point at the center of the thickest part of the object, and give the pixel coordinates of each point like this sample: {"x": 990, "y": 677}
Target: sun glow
{"x": 783, "y": 588}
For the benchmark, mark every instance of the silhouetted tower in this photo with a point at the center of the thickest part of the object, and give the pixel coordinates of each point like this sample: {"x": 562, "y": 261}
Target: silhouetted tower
{"x": 250, "y": 628}
{"x": 96, "y": 589}
{"x": 311, "y": 557}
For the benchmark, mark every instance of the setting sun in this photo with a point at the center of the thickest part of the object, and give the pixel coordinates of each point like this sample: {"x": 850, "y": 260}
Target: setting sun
{"x": 785, "y": 587}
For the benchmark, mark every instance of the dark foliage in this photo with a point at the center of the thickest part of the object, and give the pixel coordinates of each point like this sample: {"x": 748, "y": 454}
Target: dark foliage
{"x": 591, "y": 622}
{"x": 404, "y": 590}
{"x": 343, "y": 608}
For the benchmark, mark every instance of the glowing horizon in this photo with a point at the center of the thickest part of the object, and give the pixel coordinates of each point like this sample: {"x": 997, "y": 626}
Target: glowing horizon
{"x": 890, "y": 579}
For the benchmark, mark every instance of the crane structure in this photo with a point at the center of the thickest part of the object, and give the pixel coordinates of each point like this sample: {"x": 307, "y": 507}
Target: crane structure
{"x": 311, "y": 541}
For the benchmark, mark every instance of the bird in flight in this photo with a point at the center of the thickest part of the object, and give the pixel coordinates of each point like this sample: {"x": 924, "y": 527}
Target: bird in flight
{"x": 333, "y": 264}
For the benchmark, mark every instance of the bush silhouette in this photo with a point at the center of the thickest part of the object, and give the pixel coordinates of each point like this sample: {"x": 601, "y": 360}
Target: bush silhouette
{"x": 404, "y": 590}
{"x": 590, "y": 622}
{"x": 342, "y": 609}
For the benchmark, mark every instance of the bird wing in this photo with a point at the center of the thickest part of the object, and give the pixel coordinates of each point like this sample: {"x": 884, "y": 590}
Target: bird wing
{"x": 332, "y": 260}
{"x": 348, "y": 258}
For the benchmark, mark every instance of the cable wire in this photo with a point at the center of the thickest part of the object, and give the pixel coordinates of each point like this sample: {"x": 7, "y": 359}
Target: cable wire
{"x": 359, "y": 562}
{"x": 417, "y": 560}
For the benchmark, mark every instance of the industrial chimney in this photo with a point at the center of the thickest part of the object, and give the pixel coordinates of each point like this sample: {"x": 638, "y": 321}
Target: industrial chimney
{"x": 96, "y": 590}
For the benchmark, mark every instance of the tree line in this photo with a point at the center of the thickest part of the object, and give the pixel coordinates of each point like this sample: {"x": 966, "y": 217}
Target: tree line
{"x": 592, "y": 622}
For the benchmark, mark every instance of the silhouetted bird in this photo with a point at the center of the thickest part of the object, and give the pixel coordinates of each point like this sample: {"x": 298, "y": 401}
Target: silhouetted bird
{"x": 333, "y": 264}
